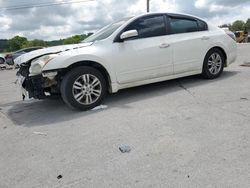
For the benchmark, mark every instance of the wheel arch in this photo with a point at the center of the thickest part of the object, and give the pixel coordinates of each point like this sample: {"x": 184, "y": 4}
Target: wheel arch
{"x": 93, "y": 64}
{"x": 206, "y": 72}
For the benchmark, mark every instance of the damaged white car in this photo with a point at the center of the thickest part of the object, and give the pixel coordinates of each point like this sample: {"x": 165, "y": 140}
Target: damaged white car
{"x": 134, "y": 51}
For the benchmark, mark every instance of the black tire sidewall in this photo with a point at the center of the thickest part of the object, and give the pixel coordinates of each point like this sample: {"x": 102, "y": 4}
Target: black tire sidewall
{"x": 67, "y": 84}
{"x": 206, "y": 73}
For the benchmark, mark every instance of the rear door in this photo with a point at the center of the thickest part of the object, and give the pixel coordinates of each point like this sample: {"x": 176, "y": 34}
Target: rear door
{"x": 190, "y": 40}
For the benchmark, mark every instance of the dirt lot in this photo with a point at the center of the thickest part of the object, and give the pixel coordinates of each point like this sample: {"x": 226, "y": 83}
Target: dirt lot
{"x": 188, "y": 132}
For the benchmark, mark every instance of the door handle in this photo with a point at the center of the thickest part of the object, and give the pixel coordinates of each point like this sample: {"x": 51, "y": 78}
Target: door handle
{"x": 164, "y": 45}
{"x": 205, "y": 38}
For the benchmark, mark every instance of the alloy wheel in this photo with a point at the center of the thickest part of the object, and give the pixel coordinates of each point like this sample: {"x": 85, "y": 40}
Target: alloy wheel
{"x": 87, "y": 89}
{"x": 215, "y": 63}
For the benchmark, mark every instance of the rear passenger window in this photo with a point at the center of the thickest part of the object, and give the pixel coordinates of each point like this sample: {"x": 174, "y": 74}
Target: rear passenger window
{"x": 202, "y": 25}
{"x": 180, "y": 25}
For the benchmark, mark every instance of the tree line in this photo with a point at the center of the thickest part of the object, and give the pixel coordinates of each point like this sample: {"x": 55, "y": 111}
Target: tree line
{"x": 238, "y": 25}
{"x": 19, "y": 42}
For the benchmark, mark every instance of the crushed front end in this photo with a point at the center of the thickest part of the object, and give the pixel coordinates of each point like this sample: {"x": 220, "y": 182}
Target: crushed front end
{"x": 38, "y": 86}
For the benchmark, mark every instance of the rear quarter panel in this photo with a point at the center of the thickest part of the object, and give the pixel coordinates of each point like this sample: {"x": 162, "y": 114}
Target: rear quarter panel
{"x": 220, "y": 39}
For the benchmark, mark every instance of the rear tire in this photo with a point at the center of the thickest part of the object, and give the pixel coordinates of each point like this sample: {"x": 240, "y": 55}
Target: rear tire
{"x": 213, "y": 64}
{"x": 83, "y": 88}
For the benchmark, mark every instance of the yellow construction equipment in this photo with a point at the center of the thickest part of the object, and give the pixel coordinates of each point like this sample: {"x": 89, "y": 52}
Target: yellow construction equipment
{"x": 242, "y": 36}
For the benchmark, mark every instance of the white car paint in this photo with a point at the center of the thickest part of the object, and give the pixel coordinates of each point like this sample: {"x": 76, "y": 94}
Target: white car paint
{"x": 2, "y": 57}
{"x": 157, "y": 62}
{"x": 143, "y": 61}
{"x": 56, "y": 49}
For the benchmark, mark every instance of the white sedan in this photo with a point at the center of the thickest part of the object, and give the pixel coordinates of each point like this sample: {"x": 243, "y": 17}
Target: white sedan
{"x": 131, "y": 52}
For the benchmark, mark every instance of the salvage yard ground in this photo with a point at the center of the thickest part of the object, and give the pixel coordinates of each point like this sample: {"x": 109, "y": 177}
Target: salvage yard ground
{"x": 188, "y": 132}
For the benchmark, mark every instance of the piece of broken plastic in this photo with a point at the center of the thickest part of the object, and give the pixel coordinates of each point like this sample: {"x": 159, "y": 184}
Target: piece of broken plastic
{"x": 40, "y": 133}
{"x": 100, "y": 107}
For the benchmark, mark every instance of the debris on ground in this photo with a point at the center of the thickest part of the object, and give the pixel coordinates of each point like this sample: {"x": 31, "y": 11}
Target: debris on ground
{"x": 7, "y": 67}
{"x": 125, "y": 149}
{"x": 100, "y": 107}
{"x": 246, "y": 64}
{"x": 59, "y": 177}
{"x": 244, "y": 98}
{"x": 40, "y": 133}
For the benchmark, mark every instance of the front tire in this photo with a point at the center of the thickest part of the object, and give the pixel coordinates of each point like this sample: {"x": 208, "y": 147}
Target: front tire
{"x": 83, "y": 88}
{"x": 213, "y": 64}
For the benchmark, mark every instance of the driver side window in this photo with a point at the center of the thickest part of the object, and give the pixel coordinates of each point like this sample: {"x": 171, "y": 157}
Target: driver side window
{"x": 149, "y": 26}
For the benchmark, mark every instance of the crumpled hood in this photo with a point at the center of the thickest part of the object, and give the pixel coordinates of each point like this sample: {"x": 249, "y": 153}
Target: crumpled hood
{"x": 56, "y": 49}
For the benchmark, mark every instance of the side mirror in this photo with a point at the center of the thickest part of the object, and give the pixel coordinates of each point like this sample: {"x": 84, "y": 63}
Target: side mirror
{"x": 129, "y": 34}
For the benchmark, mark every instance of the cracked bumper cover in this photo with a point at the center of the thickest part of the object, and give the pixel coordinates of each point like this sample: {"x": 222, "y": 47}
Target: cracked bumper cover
{"x": 37, "y": 87}
{"x": 33, "y": 85}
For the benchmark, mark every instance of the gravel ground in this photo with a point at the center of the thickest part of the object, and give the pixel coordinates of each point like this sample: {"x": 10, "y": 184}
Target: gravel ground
{"x": 187, "y": 132}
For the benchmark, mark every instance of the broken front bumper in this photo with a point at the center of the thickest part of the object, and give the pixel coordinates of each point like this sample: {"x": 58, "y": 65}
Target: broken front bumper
{"x": 38, "y": 86}
{"x": 32, "y": 87}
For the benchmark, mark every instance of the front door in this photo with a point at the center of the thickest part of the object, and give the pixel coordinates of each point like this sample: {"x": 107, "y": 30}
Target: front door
{"x": 147, "y": 56}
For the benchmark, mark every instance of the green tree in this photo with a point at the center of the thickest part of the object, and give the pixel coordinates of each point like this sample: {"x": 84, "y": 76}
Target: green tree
{"x": 16, "y": 43}
{"x": 248, "y": 24}
{"x": 238, "y": 25}
{"x": 27, "y": 44}
{"x": 224, "y": 25}
{"x": 229, "y": 26}
{"x": 72, "y": 40}
{"x": 34, "y": 43}
{"x": 84, "y": 36}
{"x": 37, "y": 42}
{"x": 4, "y": 46}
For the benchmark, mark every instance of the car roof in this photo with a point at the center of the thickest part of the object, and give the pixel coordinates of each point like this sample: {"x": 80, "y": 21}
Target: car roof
{"x": 182, "y": 15}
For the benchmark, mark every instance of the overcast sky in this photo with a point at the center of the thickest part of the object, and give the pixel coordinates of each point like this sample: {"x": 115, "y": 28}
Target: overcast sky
{"x": 57, "y": 22}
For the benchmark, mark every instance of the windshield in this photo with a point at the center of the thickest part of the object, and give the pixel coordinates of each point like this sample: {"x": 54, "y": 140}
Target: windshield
{"x": 105, "y": 32}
